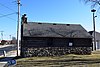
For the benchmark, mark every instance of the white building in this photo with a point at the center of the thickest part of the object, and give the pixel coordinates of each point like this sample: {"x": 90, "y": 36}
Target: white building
{"x": 97, "y": 34}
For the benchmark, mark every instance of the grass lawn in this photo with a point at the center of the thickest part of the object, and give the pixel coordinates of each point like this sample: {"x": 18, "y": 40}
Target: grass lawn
{"x": 70, "y": 60}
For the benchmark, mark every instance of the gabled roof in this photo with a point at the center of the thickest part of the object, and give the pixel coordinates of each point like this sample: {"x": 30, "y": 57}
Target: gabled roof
{"x": 34, "y": 29}
{"x": 97, "y": 34}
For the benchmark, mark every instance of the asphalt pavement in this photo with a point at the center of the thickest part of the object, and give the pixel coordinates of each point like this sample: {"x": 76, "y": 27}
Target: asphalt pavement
{"x": 8, "y": 52}
{"x": 2, "y": 64}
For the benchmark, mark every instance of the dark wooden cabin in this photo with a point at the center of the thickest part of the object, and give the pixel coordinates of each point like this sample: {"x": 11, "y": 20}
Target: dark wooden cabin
{"x": 49, "y": 39}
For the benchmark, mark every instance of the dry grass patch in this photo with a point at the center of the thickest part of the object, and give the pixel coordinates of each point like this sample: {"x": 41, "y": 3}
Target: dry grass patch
{"x": 61, "y": 61}
{"x": 64, "y": 57}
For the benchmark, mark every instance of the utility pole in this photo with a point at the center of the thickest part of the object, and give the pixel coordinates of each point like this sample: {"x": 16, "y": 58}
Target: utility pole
{"x": 10, "y": 37}
{"x": 1, "y": 35}
{"x": 18, "y": 28}
{"x": 93, "y": 11}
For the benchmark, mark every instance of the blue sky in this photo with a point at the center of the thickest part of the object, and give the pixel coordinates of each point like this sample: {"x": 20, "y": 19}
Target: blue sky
{"x": 52, "y": 11}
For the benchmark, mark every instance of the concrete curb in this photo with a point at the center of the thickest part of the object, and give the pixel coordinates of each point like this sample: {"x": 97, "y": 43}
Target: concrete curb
{"x": 3, "y": 64}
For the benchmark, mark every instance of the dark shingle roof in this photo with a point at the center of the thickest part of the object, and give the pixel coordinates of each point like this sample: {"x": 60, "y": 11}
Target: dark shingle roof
{"x": 34, "y": 29}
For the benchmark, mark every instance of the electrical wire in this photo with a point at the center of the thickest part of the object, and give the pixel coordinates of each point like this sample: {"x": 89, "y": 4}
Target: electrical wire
{"x": 2, "y": 15}
{"x": 7, "y": 16}
{"x": 7, "y": 7}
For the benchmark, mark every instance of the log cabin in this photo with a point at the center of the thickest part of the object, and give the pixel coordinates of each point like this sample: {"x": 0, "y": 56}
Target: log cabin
{"x": 54, "y": 39}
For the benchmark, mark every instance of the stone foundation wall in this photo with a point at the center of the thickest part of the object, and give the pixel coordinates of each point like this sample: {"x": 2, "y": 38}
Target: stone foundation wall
{"x": 55, "y": 51}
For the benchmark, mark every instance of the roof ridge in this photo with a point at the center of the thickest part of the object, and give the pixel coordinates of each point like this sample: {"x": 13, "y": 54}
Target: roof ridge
{"x": 53, "y": 23}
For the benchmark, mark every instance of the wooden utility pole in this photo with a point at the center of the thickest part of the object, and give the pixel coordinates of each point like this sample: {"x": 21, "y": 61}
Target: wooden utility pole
{"x": 93, "y": 11}
{"x": 18, "y": 28}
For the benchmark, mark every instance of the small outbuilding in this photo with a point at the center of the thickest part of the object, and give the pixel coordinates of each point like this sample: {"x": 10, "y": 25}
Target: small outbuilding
{"x": 53, "y": 39}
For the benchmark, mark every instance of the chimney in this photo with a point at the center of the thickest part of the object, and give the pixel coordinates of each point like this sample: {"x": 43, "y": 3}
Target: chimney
{"x": 24, "y": 19}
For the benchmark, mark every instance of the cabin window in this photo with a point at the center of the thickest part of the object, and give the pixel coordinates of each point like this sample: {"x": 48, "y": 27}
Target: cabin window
{"x": 71, "y": 42}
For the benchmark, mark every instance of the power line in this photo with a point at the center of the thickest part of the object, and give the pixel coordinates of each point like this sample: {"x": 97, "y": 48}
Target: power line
{"x": 7, "y": 7}
{"x": 8, "y": 14}
{"x": 7, "y": 17}
{"x": 14, "y": 12}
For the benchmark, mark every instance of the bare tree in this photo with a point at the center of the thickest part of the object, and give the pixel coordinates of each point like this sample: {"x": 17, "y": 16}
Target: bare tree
{"x": 94, "y": 3}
